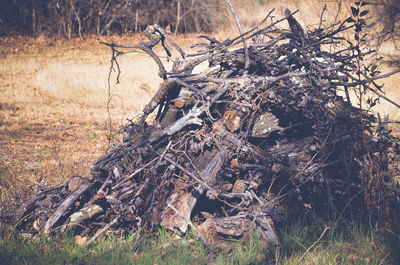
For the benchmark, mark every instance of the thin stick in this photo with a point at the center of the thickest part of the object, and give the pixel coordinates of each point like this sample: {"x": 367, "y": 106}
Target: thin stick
{"x": 164, "y": 33}
{"x": 137, "y": 171}
{"x": 364, "y": 83}
{"x": 205, "y": 185}
{"x": 101, "y": 231}
{"x": 147, "y": 48}
{"x": 322, "y": 15}
{"x": 368, "y": 80}
{"x": 246, "y": 50}
{"x": 308, "y": 249}
{"x": 188, "y": 86}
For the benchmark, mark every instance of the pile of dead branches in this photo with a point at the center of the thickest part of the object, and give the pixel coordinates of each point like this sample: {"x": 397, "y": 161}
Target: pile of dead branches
{"x": 267, "y": 130}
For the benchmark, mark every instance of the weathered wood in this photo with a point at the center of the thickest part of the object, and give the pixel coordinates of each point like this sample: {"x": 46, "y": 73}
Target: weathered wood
{"x": 234, "y": 226}
{"x": 82, "y": 215}
{"x": 101, "y": 231}
{"x": 184, "y": 201}
{"x": 266, "y": 229}
{"x": 210, "y": 171}
{"x": 262, "y": 126}
{"x": 222, "y": 228}
{"x": 27, "y": 204}
{"x": 64, "y": 206}
{"x": 179, "y": 208}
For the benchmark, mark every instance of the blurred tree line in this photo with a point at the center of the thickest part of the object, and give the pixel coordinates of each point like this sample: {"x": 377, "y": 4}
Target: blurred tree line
{"x": 386, "y": 24}
{"x": 101, "y": 17}
{"x": 78, "y": 17}
{"x": 387, "y": 19}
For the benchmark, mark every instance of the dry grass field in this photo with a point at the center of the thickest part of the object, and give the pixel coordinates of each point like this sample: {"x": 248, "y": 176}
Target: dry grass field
{"x": 53, "y": 117}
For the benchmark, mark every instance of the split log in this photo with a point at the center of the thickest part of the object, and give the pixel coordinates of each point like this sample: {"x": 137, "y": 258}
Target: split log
{"x": 61, "y": 210}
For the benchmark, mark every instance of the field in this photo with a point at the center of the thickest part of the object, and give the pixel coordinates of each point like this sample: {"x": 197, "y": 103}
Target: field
{"x": 54, "y": 121}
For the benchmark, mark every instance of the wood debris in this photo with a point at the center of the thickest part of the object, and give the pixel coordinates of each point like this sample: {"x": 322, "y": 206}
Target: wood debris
{"x": 233, "y": 149}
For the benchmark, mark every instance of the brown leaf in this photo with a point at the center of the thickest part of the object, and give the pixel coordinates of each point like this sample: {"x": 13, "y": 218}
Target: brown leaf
{"x": 207, "y": 215}
{"x": 36, "y": 224}
{"x": 239, "y": 186}
{"x": 232, "y": 120}
{"x": 80, "y": 240}
{"x": 234, "y": 162}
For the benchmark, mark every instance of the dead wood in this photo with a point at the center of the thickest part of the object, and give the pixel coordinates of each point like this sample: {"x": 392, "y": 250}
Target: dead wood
{"x": 263, "y": 133}
{"x": 64, "y": 206}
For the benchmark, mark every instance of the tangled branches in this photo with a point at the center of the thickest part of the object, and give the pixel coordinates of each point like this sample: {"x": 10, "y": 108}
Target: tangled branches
{"x": 265, "y": 131}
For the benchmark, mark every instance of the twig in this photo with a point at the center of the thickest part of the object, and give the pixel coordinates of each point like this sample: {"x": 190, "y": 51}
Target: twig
{"x": 201, "y": 182}
{"x": 137, "y": 171}
{"x": 246, "y": 50}
{"x": 164, "y": 33}
{"x": 308, "y": 249}
{"x": 113, "y": 60}
{"x": 101, "y": 231}
{"x": 120, "y": 45}
{"x": 368, "y": 80}
{"x": 188, "y": 86}
{"x": 147, "y": 48}
{"x": 322, "y": 14}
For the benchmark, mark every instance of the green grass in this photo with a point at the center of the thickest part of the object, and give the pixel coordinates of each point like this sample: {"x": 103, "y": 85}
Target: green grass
{"x": 335, "y": 248}
{"x": 301, "y": 244}
{"x": 107, "y": 250}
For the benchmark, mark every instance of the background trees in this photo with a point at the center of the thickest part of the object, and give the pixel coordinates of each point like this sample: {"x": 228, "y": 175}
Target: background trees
{"x": 387, "y": 24}
{"x": 69, "y": 17}
{"x": 77, "y": 17}
{"x": 103, "y": 17}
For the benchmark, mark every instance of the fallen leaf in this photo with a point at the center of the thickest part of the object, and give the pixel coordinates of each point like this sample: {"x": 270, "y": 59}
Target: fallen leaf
{"x": 80, "y": 240}
{"x": 36, "y": 224}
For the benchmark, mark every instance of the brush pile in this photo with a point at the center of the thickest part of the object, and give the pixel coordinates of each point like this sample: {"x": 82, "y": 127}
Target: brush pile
{"x": 262, "y": 133}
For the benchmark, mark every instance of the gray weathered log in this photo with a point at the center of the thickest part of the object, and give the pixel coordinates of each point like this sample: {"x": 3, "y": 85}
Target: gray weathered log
{"x": 64, "y": 206}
